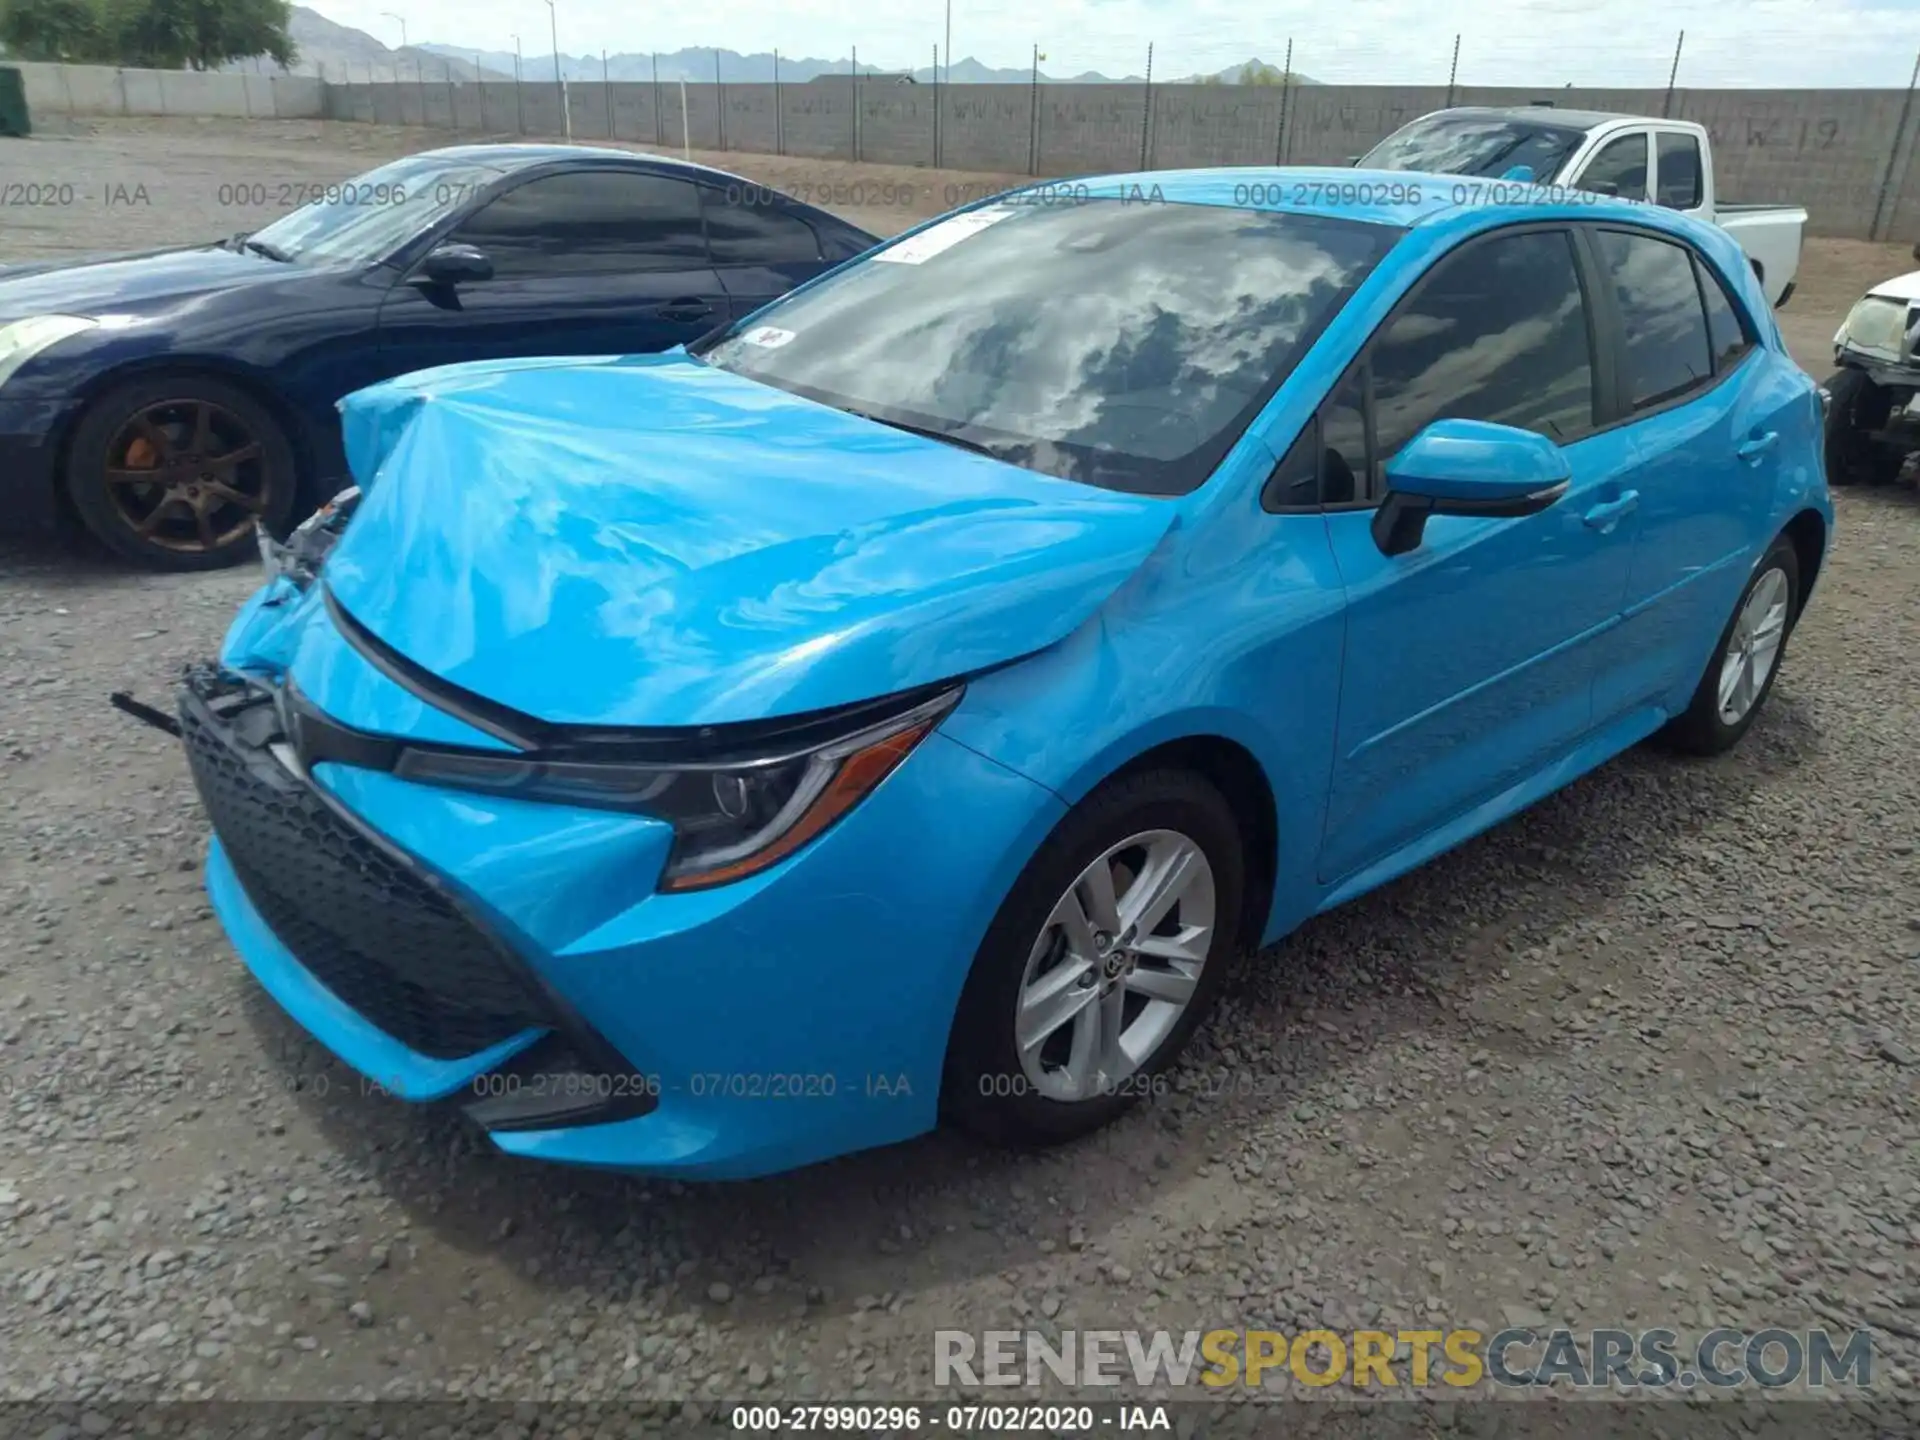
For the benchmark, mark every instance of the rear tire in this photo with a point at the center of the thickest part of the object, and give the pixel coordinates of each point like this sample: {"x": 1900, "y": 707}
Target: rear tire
{"x": 1857, "y": 407}
{"x": 221, "y": 465}
{"x": 1747, "y": 659}
{"x": 1021, "y": 1070}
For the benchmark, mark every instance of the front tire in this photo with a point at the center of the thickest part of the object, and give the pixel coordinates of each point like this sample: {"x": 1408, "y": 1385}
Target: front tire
{"x": 1103, "y": 959}
{"x": 1746, "y": 661}
{"x": 1857, "y": 407}
{"x": 176, "y": 472}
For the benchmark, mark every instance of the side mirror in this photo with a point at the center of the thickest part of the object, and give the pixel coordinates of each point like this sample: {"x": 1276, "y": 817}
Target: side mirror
{"x": 1467, "y": 467}
{"x": 1354, "y": 159}
{"x": 1602, "y": 187}
{"x": 1916, "y": 249}
{"x": 452, "y": 264}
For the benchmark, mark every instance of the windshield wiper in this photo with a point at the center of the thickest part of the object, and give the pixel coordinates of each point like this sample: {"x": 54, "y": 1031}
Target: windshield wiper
{"x": 268, "y": 249}
{"x": 928, "y": 432}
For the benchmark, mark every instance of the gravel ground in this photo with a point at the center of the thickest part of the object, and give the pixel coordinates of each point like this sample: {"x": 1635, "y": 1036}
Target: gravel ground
{"x": 1644, "y": 1056}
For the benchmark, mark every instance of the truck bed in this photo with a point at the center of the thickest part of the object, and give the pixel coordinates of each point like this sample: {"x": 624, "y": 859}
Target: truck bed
{"x": 1771, "y": 235}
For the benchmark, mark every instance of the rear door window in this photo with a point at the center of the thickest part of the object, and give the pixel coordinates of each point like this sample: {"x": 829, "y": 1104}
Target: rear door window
{"x": 1665, "y": 349}
{"x": 1726, "y": 332}
{"x": 1677, "y": 176}
{"x": 746, "y": 226}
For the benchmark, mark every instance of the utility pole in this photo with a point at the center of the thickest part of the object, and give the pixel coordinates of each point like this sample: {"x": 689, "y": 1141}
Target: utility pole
{"x": 1893, "y": 155}
{"x": 1146, "y": 110}
{"x": 519, "y": 106}
{"x": 389, "y": 15}
{"x": 1033, "y": 115}
{"x": 1666, "y": 110}
{"x": 1453, "y": 71}
{"x": 559, "y": 80}
{"x": 1286, "y": 97}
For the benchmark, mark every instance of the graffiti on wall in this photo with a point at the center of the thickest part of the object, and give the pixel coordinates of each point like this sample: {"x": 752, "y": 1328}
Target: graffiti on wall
{"x": 1776, "y": 133}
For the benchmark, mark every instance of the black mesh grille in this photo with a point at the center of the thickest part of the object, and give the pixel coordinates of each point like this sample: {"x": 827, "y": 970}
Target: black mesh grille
{"x": 365, "y": 926}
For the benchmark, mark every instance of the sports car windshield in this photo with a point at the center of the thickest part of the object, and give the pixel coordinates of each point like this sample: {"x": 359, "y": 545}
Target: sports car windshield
{"x": 1475, "y": 145}
{"x": 362, "y": 220}
{"x": 1124, "y": 344}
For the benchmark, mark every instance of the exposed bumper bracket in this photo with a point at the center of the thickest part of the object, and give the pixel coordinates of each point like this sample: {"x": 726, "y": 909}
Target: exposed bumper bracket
{"x": 145, "y": 713}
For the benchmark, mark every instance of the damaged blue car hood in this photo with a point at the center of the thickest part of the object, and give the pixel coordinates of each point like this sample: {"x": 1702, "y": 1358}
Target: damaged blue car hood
{"x": 652, "y": 541}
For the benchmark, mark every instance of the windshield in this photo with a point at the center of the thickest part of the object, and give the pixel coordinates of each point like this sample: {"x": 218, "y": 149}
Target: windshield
{"x": 1121, "y": 343}
{"x": 1475, "y": 145}
{"x": 365, "y": 219}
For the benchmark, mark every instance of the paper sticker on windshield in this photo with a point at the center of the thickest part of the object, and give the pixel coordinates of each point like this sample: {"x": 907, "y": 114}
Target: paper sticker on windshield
{"x": 943, "y": 236}
{"x": 767, "y": 337}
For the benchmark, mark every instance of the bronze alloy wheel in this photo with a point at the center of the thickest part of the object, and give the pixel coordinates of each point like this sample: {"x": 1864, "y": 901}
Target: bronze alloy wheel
{"x": 187, "y": 475}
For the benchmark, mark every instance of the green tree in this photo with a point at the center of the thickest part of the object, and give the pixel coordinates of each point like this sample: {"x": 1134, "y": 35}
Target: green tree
{"x": 69, "y": 30}
{"x": 204, "y": 34}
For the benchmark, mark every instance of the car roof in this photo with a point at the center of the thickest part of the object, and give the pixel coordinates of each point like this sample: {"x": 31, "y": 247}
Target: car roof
{"x": 521, "y": 156}
{"x": 1545, "y": 115}
{"x": 1401, "y": 198}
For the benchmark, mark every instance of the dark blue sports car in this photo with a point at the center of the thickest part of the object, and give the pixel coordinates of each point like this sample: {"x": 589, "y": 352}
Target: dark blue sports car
{"x": 173, "y": 400}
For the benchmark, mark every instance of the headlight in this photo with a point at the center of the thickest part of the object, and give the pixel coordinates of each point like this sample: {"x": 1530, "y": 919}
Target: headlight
{"x": 1875, "y": 323}
{"x": 24, "y": 339}
{"x": 731, "y": 818}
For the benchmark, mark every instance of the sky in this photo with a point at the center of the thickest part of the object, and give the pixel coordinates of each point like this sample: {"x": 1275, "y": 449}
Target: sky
{"x": 1764, "y": 43}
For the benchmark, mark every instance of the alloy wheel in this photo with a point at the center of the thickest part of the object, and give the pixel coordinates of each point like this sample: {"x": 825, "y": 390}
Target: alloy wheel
{"x": 1754, "y": 646}
{"x": 187, "y": 475}
{"x": 1115, "y": 966}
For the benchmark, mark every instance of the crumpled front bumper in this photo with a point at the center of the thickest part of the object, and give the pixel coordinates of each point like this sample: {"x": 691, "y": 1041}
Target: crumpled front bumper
{"x": 731, "y": 1032}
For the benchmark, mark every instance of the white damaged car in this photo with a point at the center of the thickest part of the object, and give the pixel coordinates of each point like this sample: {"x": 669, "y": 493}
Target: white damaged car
{"x": 1873, "y": 409}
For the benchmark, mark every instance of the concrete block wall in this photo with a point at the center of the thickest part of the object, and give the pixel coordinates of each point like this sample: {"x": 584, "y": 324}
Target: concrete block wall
{"x": 106, "y": 90}
{"x": 1828, "y": 150}
{"x": 1844, "y": 154}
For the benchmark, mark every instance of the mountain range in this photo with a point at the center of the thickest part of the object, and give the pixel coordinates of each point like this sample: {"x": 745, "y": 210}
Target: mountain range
{"x": 340, "y": 51}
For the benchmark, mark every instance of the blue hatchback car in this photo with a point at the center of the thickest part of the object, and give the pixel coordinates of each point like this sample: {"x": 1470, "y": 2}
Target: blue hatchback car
{"x": 907, "y": 702}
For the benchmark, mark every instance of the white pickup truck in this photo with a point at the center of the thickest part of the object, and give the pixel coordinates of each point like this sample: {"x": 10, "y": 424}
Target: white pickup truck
{"x": 1637, "y": 157}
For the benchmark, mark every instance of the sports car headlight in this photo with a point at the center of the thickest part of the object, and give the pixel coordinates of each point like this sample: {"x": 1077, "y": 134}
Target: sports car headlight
{"x": 24, "y": 339}
{"x": 731, "y": 818}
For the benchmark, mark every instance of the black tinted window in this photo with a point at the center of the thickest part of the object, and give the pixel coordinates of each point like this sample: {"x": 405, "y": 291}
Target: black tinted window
{"x": 746, "y": 228}
{"x": 1343, "y": 442}
{"x": 1619, "y": 169}
{"x": 590, "y": 222}
{"x": 1724, "y": 330}
{"x": 1665, "y": 340}
{"x": 1124, "y": 345}
{"x": 1296, "y": 479}
{"x": 1498, "y": 332}
{"x": 1679, "y": 177}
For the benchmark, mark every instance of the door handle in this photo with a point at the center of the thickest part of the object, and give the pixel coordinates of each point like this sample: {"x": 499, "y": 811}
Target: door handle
{"x": 1759, "y": 445}
{"x": 691, "y": 308}
{"x": 1605, "y": 516}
